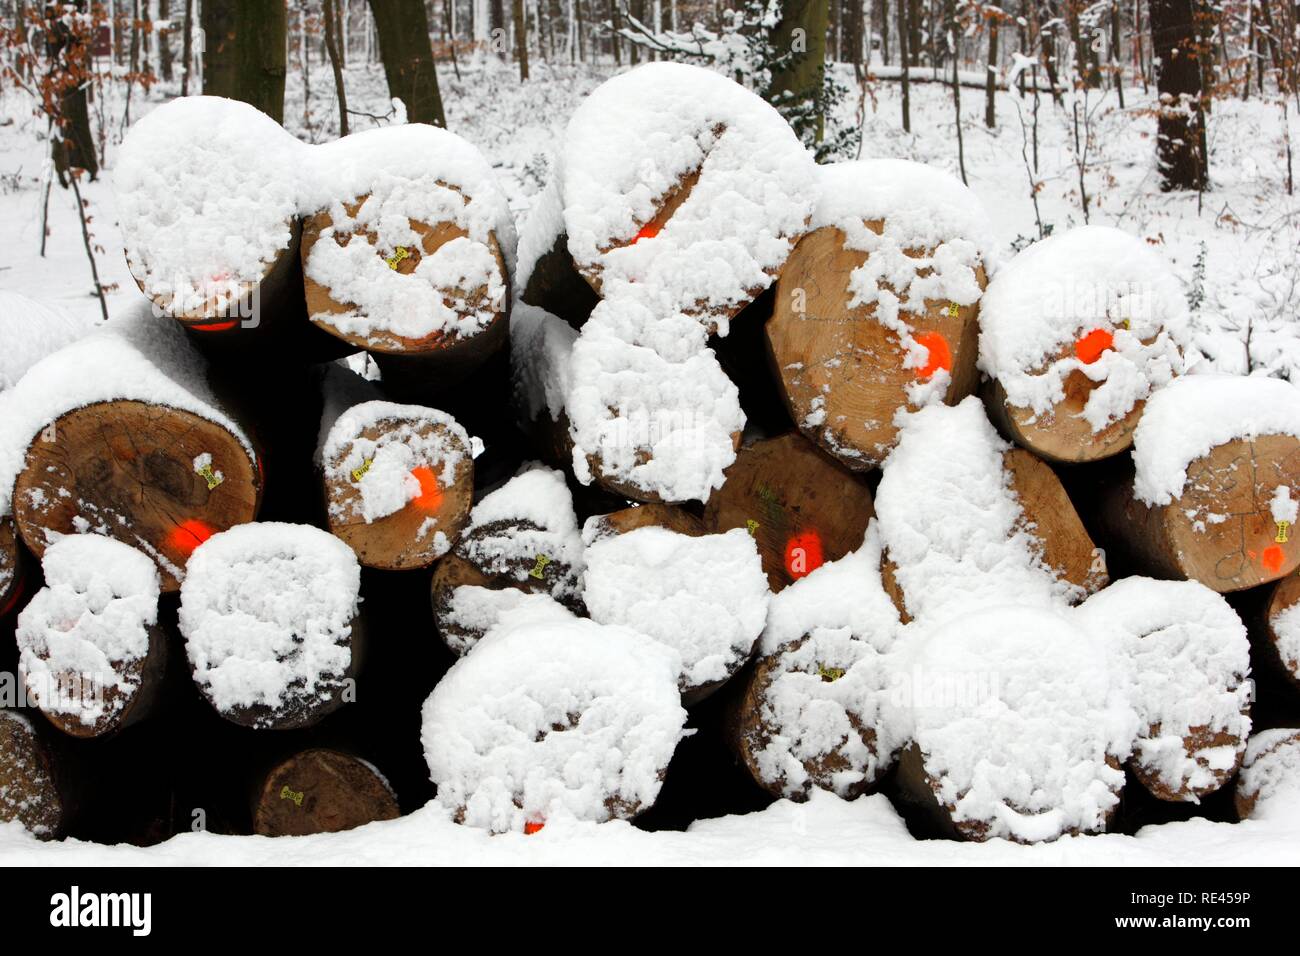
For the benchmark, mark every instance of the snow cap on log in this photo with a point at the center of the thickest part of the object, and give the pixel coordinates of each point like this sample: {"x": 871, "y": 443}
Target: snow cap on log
{"x": 1077, "y": 331}
{"x": 703, "y": 596}
{"x": 522, "y": 539}
{"x": 208, "y": 198}
{"x": 677, "y": 177}
{"x": 955, "y": 529}
{"x": 409, "y": 244}
{"x": 89, "y": 648}
{"x": 552, "y": 717}
{"x": 651, "y": 413}
{"x": 268, "y": 613}
{"x": 814, "y": 710}
{"x": 1184, "y": 654}
{"x": 1019, "y": 726}
{"x": 30, "y": 331}
{"x": 876, "y": 310}
{"x": 1269, "y": 783}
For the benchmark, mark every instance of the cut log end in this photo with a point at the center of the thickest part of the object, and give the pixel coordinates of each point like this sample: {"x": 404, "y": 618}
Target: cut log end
{"x": 322, "y": 791}
{"x": 645, "y": 516}
{"x": 159, "y": 479}
{"x": 843, "y": 373}
{"x": 801, "y": 507}
{"x": 626, "y": 488}
{"x": 29, "y": 794}
{"x": 556, "y": 285}
{"x": 428, "y": 525}
{"x": 1198, "y": 740}
{"x": 1062, "y": 434}
{"x": 1283, "y": 642}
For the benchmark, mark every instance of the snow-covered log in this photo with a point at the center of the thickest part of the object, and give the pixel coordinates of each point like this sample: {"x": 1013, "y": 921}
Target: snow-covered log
{"x": 967, "y": 522}
{"x": 91, "y": 652}
{"x": 1216, "y": 487}
{"x": 407, "y": 252}
{"x": 119, "y": 434}
{"x": 522, "y": 539}
{"x": 801, "y": 506}
{"x": 1075, "y": 334}
{"x": 812, "y": 713}
{"x": 208, "y": 196}
{"x": 1270, "y": 774}
{"x": 703, "y": 596}
{"x": 553, "y": 716}
{"x": 399, "y": 480}
{"x": 541, "y": 355}
{"x": 877, "y": 309}
{"x": 1185, "y": 658}
{"x": 30, "y": 791}
{"x": 31, "y": 330}
{"x": 671, "y": 517}
{"x": 547, "y": 278}
{"x": 270, "y": 617}
{"x": 322, "y": 791}
{"x": 1282, "y": 627}
{"x": 12, "y": 567}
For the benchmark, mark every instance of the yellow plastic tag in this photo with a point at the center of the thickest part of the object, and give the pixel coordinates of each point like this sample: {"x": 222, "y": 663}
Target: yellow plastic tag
{"x": 954, "y": 310}
{"x": 1283, "y": 531}
{"x": 401, "y": 253}
{"x": 294, "y": 795}
{"x": 212, "y": 478}
{"x": 830, "y": 674}
{"x": 539, "y": 567}
{"x": 358, "y": 473}
{"x": 751, "y": 526}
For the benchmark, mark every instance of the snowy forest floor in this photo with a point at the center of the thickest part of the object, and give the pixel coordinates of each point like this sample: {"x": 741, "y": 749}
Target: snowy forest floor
{"x": 1236, "y": 249}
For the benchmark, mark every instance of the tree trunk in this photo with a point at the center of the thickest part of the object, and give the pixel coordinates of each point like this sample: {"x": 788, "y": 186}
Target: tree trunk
{"x": 1180, "y": 128}
{"x": 801, "y": 507}
{"x": 404, "y": 46}
{"x": 187, "y": 46}
{"x": 797, "y": 88}
{"x": 904, "y": 61}
{"x": 244, "y": 53}
{"x": 165, "y": 43}
{"x": 332, "y": 47}
{"x": 991, "y": 81}
{"x": 521, "y": 38}
{"x": 73, "y": 146}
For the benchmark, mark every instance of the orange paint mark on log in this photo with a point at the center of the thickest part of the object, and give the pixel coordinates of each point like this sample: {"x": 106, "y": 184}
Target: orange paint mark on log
{"x": 215, "y": 326}
{"x": 532, "y": 826}
{"x": 648, "y": 231}
{"x": 1091, "y": 346}
{"x": 803, "y": 554}
{"x": 1273, "y": 558}
{"x": 430, "y": 497}
{"x": 940, "y": 356}
{"x": 188, "y": 535}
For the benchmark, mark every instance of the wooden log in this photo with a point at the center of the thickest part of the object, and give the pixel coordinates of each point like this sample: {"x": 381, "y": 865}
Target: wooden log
{"x": 624, "y": 520}
{"x": 399, "y": 480}
{"x": 511, "y": 545}
{"x": 29, "y": 789}
{"x": 1282, "y": 628}
{"x": 1221, "y": 531}
{"x": 1270, "y": 773}
{"x": 322, "y": 791}
{"x": 800, "y": 505}
{"x": 541, "y": 350}
{"x": 158, "y": 478}
{"x": 92, "y": 651}
{"x": 547, "y": 274}
{"x": 1064, "y": 318}
{"x": 846, "y": 370}
{"x": 12, "y": 567}
{"x": 270, "y": 617}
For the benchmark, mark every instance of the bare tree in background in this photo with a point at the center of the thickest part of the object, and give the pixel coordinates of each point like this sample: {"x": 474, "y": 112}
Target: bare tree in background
{"x": 332, "y": 47}
{"x": 244, "y": 56}
{"x": 407, "y": 53}
{"x": 1180, "y": 128}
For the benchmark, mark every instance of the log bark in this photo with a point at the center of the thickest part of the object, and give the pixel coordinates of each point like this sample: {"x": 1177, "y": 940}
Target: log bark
{"x": 29, "y": 789}
{"x": 13, "y": 568}
{"x": 1049, "y": 516}
{"x": 128, "y": 469}
{"x": 322, "y": 791}
{"x": 800, "y": 505}
{"x": 842, "y": 367}
{"x": 407, "y": 538}
{"x": 1285, "y": 595}
{"x": 556, "y": 285}
{"x": 1221, "y": 532}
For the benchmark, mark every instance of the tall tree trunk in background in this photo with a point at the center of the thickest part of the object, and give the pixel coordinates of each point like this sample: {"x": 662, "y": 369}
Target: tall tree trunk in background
{"x": 613, "y": 39}
{"x": 637, "y": 10}
{"x": 448, "y": 11}
{"x": 914, "y": 31}
{"x": 858, "y": 30}
{"x": 798, "y": 87}
{"x": 165, "y": 43}
{"x": 336, "y": 62}
{"x": 404, "y": 47}
{"x": 953, "y": 39}
{"x": 1180, "y": 129}
{"x": 1116, "y": 64}
{"x": 904, "y": 61}
{"x": 496, "y": 27}
{"x": 187, "y": 46}
{"x": 74, "y": 146}
{"x": 521, "y": 39}
{"x": 244, "y": 55}
{"x": 991, "y": 80}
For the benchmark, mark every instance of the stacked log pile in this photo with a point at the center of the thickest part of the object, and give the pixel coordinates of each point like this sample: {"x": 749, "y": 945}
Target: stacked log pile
{"x": 552, "y": 543}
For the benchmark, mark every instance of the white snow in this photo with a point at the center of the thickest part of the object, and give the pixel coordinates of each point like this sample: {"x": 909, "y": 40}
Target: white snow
{"x": 952, "y": 524}
{"x": 543, "y": 224}
{"x": 87, "y": 624}
{"x": 552, "y": 718}
{"x": 1071, "y": 284}
{"x": 1270, "y": 774}
{"x": 31, "y": 330}
{"x": 136, "y": 356}
{"x": 1186, "y": 657}
{"x": 1188, "y": 418}
{"x": 267, "y": 610}
{"x": 635, "y": 138}
{"x": 541, "y": 355}
{"x": 704, "y": 596}
{"x": 472, "y": 611}
{"x": 403, "y": 175}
